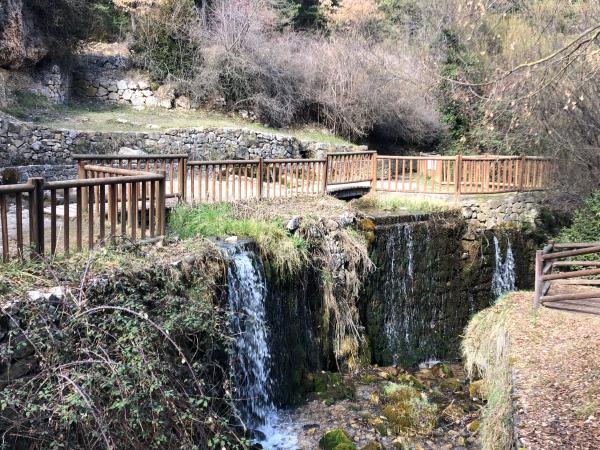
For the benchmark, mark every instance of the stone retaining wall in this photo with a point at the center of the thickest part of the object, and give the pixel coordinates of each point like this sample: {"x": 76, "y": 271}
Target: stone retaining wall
{"x": 519, "y": 208}
{"x": 24, "y": 144}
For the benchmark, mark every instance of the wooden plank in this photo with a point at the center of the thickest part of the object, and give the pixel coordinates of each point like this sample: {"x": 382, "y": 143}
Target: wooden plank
{"x": 571, "y": 253}
{"x": 574, "y": 274}
{"x": 90, "y": 217}
{"x": 4, "y": 225}
{"x": 79, "y": 222}
{"x": 577, "y": 263}
{"x": 52, "y": 222}
{"x": 66, "y": 220}
{"x": 102, "y": 201}
{"x": 575, "y": 296}
{"x": 19, "y": 213}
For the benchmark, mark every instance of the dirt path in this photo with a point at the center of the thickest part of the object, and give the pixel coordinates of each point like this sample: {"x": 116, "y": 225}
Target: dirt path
{"x": 556, "y": 360}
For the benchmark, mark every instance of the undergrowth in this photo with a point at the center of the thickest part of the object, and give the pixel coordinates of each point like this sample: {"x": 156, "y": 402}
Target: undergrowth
{"x": 486, "y": 354}
{"x": 287, "y": 253}
{"x": 586, "y": 222}
{"x": 402, "y": 204}
{"x": 132, "y": 358}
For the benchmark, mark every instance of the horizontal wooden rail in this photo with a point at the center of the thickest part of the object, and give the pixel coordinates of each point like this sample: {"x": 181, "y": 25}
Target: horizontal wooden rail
{"x": 174, "y": 166}
{"x": 82, "y": 213}
{"x": 549, "y": 271}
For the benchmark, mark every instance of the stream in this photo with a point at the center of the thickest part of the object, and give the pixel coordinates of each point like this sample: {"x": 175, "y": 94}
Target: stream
{"x": 363, "y": 404}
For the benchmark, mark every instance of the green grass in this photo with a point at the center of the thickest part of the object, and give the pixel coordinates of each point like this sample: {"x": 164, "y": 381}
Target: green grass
{"x": 95, "y": 117}
{"x": 402, "y": 204}
{"x": 287, "y": 254}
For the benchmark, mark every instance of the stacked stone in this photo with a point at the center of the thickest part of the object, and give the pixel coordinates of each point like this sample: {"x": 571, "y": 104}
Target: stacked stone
{"x": 24, "y": 144}
{"x": 517, "y": 209}
{"x": 55, "y": 85}
{"x": 135, "y": 92}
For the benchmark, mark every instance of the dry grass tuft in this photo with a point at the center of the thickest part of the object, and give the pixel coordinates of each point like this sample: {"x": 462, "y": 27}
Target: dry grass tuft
{"x": 486, "y": 353}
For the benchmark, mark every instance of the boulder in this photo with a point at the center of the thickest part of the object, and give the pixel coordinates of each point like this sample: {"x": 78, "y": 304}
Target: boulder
{"x": 151, "y": 102}
{"x": 165, "y": 95}
{"x": 183, "y": 102}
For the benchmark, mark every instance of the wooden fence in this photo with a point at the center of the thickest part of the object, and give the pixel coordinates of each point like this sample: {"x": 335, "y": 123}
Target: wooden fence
{"x": 461, "y": 174}
{"x": 127, "y": 195}
{"x": 174, "y": 166}
{"x": 554, "y": 265}
{"x": 63, "y": 215}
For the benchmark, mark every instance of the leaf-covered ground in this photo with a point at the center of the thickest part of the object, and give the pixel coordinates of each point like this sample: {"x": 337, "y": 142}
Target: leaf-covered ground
{"x": 556, "y": 360}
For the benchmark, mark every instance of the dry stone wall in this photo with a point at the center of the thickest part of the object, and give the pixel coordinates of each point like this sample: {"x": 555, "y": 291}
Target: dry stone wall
{"x": 24, "y": 145}
{"x": 520, "y": 208}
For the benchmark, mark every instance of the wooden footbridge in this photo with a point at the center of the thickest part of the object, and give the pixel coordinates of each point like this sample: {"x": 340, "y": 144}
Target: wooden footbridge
{"x": 116, "y": 195}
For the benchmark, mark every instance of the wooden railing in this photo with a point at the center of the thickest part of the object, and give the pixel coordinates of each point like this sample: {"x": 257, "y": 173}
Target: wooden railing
{"x": 554, "y": 265}
{"x": 213, "y": 181}
{"x": 126, "y": 195}
{"x": 461, "y": 174}
{"x": 353, "y": 167}
{"x": 233, "y": 180}
{"x": 174, "y": 166}
{"x": 102, "y": 208}
{"x": 292, "y": 177}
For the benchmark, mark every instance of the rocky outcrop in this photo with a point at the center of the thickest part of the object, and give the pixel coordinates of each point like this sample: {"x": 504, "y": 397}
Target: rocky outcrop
{"x": 21, "y": 43}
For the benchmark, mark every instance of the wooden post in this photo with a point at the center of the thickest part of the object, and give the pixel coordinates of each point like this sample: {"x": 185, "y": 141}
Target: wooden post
{"x": 259, "y": 177}
{"x": 457, "y": 175}
{"x": 81, "y": 176}
{"x": 325, "y": 170}
{"x": 37, "y": 214}
{"x": 161, "y": 208}
{"x": 538, "y": 278}
{"x": 373, "y": 171}
{"x": 521, "y": 172}
{"x": 181, "y": 178}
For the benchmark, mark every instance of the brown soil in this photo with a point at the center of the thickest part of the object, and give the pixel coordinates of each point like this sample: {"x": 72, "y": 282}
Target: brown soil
{"x": 555, "y": 355}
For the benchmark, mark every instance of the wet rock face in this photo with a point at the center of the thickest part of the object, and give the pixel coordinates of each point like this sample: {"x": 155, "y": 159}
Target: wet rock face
{"x": 429, "y": 280}
{"x": 21, "y": 44}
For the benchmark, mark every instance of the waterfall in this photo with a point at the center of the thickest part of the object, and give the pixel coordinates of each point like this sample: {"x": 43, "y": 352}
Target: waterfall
{"x": 398, "y": 317}
{"x": 504, "y": 277}
{"x": 250, "y": 356}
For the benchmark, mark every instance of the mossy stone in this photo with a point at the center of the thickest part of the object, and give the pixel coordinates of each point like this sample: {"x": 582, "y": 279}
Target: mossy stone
{"x": 475, "y": 389}
{"x": 336, "y": 440}
{"x": 473, "y": 426}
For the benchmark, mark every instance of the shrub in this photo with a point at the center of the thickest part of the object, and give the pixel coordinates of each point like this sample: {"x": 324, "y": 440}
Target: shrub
{"x": 164, "y": 43}
{"x": 133, "y": 360}
{"x": 586, "y": 222}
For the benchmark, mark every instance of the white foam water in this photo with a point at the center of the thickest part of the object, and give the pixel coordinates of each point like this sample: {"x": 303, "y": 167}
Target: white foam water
{"x": 250, "y": 357}
{"x": 504, "y": 278}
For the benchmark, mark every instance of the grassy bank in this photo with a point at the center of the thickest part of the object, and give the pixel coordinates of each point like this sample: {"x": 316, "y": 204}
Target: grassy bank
{"x": 108, "y": 118}
{"x": 486, "y": 354}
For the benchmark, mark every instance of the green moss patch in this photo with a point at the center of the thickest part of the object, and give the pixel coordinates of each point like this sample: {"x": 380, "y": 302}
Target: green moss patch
{"x": 336, "y": 440}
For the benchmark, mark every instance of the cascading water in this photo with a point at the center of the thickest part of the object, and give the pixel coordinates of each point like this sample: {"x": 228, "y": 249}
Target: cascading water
{"x": 400, "y": 315}
{"x": 504, "y": 277}
{"x": 250, "y": 357}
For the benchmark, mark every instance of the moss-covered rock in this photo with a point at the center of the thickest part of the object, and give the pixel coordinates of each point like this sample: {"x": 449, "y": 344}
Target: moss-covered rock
{"x": 476, "y": 389}
{"x": 473, "y": 426}
{"x": 328, "y": 386}
{"x": 336, "y": 440}
{"x": 410, "y": 412}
